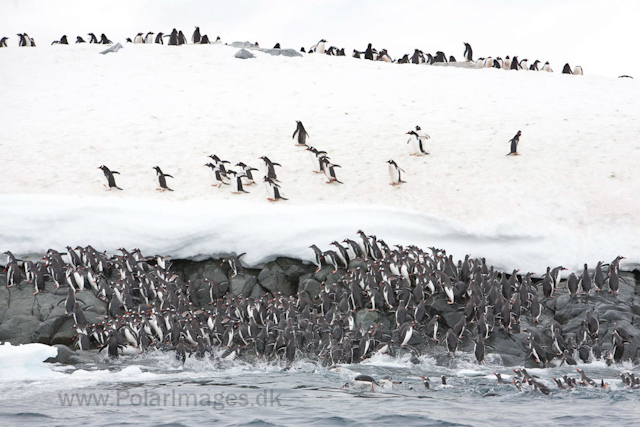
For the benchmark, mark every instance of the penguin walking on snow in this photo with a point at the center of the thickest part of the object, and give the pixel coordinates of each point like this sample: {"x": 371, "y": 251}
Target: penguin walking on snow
{"x": 236, "y": 182}
{"x": 395, "y": 173}
{"x": 514, "y": 144}
{"x": 329, "y": 170}
{"x": 248, "y": 176}
{"x": 3, "y": 41}
{"x": 302, "y": 134}
{"x": 273, "y": 190}
{"x": 195, "y": 38}
{"x": 418, "y": 136}
{"x": 111, "y": 181}
{"x": 162, "y": 179}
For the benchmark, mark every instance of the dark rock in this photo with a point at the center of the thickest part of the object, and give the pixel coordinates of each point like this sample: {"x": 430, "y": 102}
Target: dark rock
{"x": 311, "y": 286}
{"x": 66, "y": 356}
{"x": 258, "y": 291}
{"x": 273, "y": 278}
{"x": 242, "y": 285}
{"x": 18, "y": 328}
{"x": 47, "y": 329}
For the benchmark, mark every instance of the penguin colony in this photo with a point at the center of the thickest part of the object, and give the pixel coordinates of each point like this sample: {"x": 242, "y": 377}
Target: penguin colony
{"x": 150, "y": 307}
{"x": 177, "y": 38}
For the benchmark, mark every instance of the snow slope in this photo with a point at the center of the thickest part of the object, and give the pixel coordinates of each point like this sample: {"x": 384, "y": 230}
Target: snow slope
{"x": 570, "y": 198}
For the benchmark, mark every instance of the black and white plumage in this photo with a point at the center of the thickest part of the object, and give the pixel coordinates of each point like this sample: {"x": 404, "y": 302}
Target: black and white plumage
{"x": 236, "y": 182}
{"x": 138, "y": 39}
{"x": 219, "y": 177}
{"x": 468, "y": 52}
{"x": 514, "y": 144}
{"x": 162, "y": 179}
{"x": 417, "y": 139}
{"x": 316, "y": 158}
{"x": 149, "y": 37}
{"x": 329, "y": 170}
{"x": 395, "y": 173}
{"x": 111, "y": 181}
{"x": 195, "y": 38}
{"x": 269, "y": 169}
{"x": 273, "y": 190}
{"x": 247, "y": 178}
{"x": 302, "y": 134}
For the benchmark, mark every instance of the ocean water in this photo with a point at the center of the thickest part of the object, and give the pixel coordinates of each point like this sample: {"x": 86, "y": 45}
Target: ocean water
{"x": 155, "y": 389}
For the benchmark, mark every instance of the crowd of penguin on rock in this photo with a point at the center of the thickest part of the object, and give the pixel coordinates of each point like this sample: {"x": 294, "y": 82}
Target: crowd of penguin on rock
{"x": 222, "y": 175}
{"x": 149, "y": 306}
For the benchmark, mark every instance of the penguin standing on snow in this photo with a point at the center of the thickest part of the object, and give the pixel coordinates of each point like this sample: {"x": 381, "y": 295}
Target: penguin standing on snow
{"x": 248, "y": 176}
{"x": 3, "y": 41}
{"x": 80, "y": 40}
{"x": 138, "y": 39}
{"x": 104, "y": 39}
{"x": 173, "y": 38}
{"x": 320, "y": 47}
{"x": 93, "y": 38}
{"x": 418, "y": 136}
{"x": 110, "y": 178}
{"x": 577, "y": 71}
{"x": 195, "y": 38}
{"x": 269, "y": 168}
{"x": 159, "y": 38}
{"x": 566, "y": 69}
{"x": 162, "y": 179}
{"x": 329, "y": 170}
{"x": 302, "y": 134}
{"x": 534, "y": 66}
{"x": 149, "y": 37}
{"x": 368, "y": 54}
{"x": 468, "y": 52}
{"x": 395, "y": 173}
{"x": 546, "y": 67}
{"x": 514, "y": 144}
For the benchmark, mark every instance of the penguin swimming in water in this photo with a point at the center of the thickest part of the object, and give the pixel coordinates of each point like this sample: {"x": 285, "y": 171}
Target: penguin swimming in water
{"x": 468, "y": 52}
{"x": 162, "y": 179}
{"x": 514, "y": 144}
{"x": 418, "y": 136}
{"x": 302, "y": 134}
{"x": 395, "y": 173}
{"x": 111, "y": 181}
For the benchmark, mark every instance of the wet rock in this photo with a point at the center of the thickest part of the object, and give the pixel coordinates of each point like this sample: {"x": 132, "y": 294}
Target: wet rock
{"x": 47, "y": 329}
{"x": 66, "y": 356}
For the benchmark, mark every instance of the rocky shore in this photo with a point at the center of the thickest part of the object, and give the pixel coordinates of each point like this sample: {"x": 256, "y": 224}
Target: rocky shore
{"x": 41, "y": 318}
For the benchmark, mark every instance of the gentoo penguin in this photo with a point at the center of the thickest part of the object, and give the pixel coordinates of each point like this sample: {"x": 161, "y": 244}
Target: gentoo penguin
{"x": 3, "y": 41}
{"x": 452, "y": 58}
{"x": 195, "y": 38}
{"x": 404, "y": 59}
{"x": 506, "y": 65}
{"x": 515, "y": 65}
{"x": 104, "y": 39}
{"x": 181, "y": 38}
{"x": 138, "y": 39}
{"x": 276, "y": 46}
{"x": 479, "y": 349}
{"x": 302, "y": 134}
{"x": 63, "y": 40}
{"x": 534, "y": 66}
{"x": 93, "y": 38}
{"x": 425, "y": 381}
{"x": 546, "y": 67}
{"x": 205, "y": 40}
{"x": 236, "y": 182}
{"x": 248, "y": 176}
{"x": 395, "y": 173}
{"x": 417, "y": 139}
{"x": 320, "y": 46}
{"x": 356, "y": 54}
{"x": 273, "y": 190}
{"x": 111, "y": 181}
{"x": 329, "y": 170}
{"x": 566, "y": 69}
{"x": 219, "y": 177}
{"x": 384, "y": 56}
{"x": 468, "y": 52}
{"x": 368, "y": 54}
{"x": 365, "y": 380}
{"x": 440, "y": 57}
{"x": 159, "y": 39}
{"x": 162, "y": 179}
{"x": 149, "y": 37}
{"x": 270, "y": 171}
{"x": 80, "y": 40}
{"x": 417, "y": 57}
{"x": 173, "y": 38}
{"x": 316, "y": 158}
{"x": 577, "y": 71}
{"x": 514, "y": 144}
{"x": 524, "y": 64}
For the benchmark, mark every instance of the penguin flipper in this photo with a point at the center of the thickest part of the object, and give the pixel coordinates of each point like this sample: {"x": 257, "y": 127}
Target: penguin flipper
{"x": 294, "y": 134}
{"x": 166, "y": 174}
{"x": 115, "y": 172}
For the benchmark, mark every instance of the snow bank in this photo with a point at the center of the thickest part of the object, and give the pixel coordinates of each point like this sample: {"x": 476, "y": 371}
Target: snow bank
{"x": 570, "y": 198}
{"x": 25, "y": 362}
